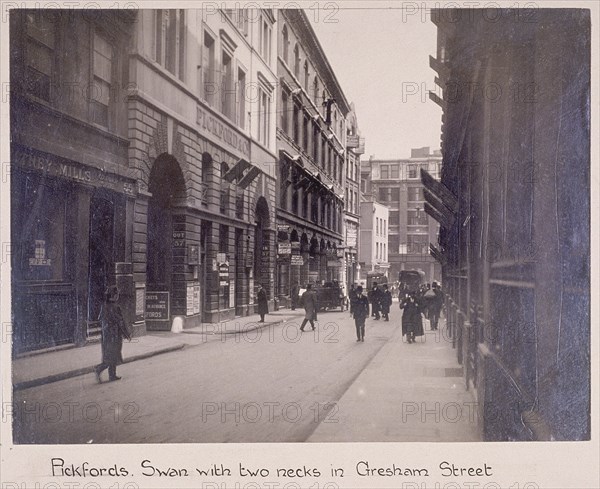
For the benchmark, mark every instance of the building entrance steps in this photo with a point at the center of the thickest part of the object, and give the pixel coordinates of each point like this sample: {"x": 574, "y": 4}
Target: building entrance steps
{"x": 407, "y": 393}
{"x": 63, "y": 363}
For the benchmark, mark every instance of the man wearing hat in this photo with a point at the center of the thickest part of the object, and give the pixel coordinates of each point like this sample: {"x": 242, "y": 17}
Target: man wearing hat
{"x": 360, "y": 309}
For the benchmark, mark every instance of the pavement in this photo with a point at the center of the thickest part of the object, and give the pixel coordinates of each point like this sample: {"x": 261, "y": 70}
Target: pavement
{"x": 408, "y": 392}
{"x": 39, "y": 368}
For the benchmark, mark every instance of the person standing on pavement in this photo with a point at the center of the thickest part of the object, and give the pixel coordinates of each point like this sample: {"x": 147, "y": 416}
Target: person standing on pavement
{"x": 309, "y": 302}
{"x": 113, "y": 332}
{"x": 263, "y": 305}
{"x": 435, "y": 305}
{"x": 412, "y": 322}
{"x": 385, "y": 302}
{"x": 375, "y": 299}
{"x": 360, "y": 308}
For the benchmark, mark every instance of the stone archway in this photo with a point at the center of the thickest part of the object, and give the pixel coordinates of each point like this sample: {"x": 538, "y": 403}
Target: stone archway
{"x": 165, "y": 240}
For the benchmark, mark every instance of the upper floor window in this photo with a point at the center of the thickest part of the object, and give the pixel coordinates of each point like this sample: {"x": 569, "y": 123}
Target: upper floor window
{"x": 285, "y": 115}
{"x": 296, "y": 61}
{"x": 415, "y": 194}
{"x": 265, "y": 40}
{"x": 306, "y": 75}
{"x": 227, "y": 88}
{"x": 208, "y": 69}
{"x": 316, "y": 90}
{"x": 102, "y": 72}
{"x": 170, "y": 40}
{"x": 241, "y": 98}
{"x": 286, "y": 43}
{"x": 385, "y": 171}
{"x": 395, "y": 171}
{"x": 264, "y": 113}
{"x": 412, "y": 171}
{"x": 39, "y": 53}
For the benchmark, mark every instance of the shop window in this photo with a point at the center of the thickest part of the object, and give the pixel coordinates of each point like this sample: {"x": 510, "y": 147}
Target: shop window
{"x": 41, "y": 234}
{"x": 102, "y": 72}
{"x": 39, "y": 53}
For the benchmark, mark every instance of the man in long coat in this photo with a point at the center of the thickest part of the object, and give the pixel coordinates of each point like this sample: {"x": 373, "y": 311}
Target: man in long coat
{"x": 263, "y": 304}
{"x": 113, "y": 332}
{"x": 435, "y": 305}
{"x": 360, "y": 308}
{"x": 412, "y": 321}
{"x": 309, "y": 301}
{"x": 385, "y": 302}
{"x": 375, "y": 299}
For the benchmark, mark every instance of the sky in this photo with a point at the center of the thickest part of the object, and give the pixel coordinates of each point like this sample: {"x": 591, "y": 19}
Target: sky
{"x": 381, "y": 60}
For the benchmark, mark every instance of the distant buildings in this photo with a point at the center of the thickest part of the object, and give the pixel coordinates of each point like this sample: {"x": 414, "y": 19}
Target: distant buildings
{"x": 373, "y": 255}
{"x": 396, "y": 183}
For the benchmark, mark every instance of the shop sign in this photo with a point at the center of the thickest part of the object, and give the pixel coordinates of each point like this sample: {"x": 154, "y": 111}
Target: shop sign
{"x": 352, "y": 141}
{"x": 225, "y": 134}
{"x": 284, "y": 249}
{"x": 295, "y": 245}
{"x": 221, "y": 257}
{"x": 297, "y": 260}
{"x": 231, "y": 293}
{"x": 351, "y": 236}
{"x": 284, "y": 228}
{"x": 157, "y": 306}
{"x": 333, "y": 263}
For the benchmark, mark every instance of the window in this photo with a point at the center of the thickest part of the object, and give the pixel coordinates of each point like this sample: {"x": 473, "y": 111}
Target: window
{"x": 170, "y": 40}
{"x": 103, "y": 66}
{"x": 416, "y": 217}
{"x": 286, "y": 43}
{"x": 305, "y": 133}
{"x": 242, "y": 21}
{"x": 394, "y": 242}
{"x": 316, "y": 90}
{"x": 418, "y": 244}
{"x": 412, "y": 171}
{"x": 395, "y": 171}
{"x": 376, "y": 226}
{"x": 224, "y": 201}
{"x": 208, "y": 70}
{"x": 394, "y": 218}
{"x": 264, "y": 110}
{"x": 241, "y": 99}
{"x": 305, "y": 204}
{"x": 265, "y": 40}
{"x": 239, "y": 204}
{"x": 39, "y": 53}
{"x": 285, "y": 116}
{"x": 227, "y": 91}
{"x": 306, "y": 75}
{"x": 296, "y": 124}
{"x": 395, "y": 196}
{"x": 296, "y": 61}
{"x": 385, "y": 194}
{"x": 355, "y": 202}
{"x": 415, "y": 194}
{"x": 385, "y": 171}
{"x": 315, "y": 142}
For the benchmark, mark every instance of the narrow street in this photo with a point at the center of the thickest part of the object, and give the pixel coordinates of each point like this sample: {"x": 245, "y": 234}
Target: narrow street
{"x": 270, "y": 385}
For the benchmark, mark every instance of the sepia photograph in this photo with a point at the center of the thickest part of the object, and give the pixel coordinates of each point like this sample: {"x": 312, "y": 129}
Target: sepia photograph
{"x": 243, "y": 223}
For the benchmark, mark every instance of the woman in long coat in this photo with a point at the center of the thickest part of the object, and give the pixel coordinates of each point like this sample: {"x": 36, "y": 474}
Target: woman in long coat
{"x": 412, "y": 321}
{"x": 113, "y": 332}
{"x": 263, "y": 305}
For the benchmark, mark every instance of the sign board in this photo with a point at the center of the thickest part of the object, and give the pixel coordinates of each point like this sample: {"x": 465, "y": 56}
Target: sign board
{"x": 140, "y": 295}
{"x": 189, "y": 300}
{"x": 295, "y": 245}
{"x": 284, "y": 228}
{"x": 196, "y": 298}
{"x": 193, "y": 255}
{"x": 297, "y": 260}
{"x": 333, "y": 263}
{"x": 284, "y": 249}
{"x": 352, "y": 141}
{"x": 157, "y": 306}
{"x": 231, "y": 294}
{"x": 351, "y": 236}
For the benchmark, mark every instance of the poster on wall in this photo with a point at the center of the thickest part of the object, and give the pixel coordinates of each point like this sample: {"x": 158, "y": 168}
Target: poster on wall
{"x": 139, "y": 303}
{"x": 189, "y": 300}
{"x": 196, "y": 298}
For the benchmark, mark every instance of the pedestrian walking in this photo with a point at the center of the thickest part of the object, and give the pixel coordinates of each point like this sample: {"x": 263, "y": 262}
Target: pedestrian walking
{"x": 113, "y": 332}
{"x": 309, "y": 302}
{"x": 352, "y": 295}
{"x": 263, "y": 304}
{"x": 412, "y": 321}
{"x": 295, "y": 295}
{"x": 375, "y": 300}
{"x": 360, "y": 308}
{"x": 385, "y": 302}
{"x": 435, "y": 305}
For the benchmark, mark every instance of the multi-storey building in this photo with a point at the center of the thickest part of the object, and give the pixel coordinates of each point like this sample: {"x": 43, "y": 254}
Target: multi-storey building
{"x": 397, "y": 184}
{"x": 514, "y": 208}
{"x": 143, "y": 155}
{"x": 355, "y": 146}
{"x": 373, "y": 254}
{"x": 311, "y": 132}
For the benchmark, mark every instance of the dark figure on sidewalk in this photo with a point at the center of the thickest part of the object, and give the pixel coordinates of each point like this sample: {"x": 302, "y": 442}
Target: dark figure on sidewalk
{"x": 113, "y": 332}
{"x": 435, "y": 305}
{"x": 352, "y": 296}
{"x": 309, "y": 302}
{"x": 360, "y": 307}
{"x": 295, "y": 295}
{"x": 263, "y": 305}
{"x": 385, "y": 302}
{"x": 375, "y": 300}
{"x": 412, "y": 322}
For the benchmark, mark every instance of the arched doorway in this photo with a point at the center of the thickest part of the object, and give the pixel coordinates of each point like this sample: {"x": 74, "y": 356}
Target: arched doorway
{"x": 166, "y": 238}
{"x": 262, "y": 247}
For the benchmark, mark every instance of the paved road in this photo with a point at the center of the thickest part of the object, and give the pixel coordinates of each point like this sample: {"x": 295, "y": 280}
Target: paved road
{"x": 273, "y": 385}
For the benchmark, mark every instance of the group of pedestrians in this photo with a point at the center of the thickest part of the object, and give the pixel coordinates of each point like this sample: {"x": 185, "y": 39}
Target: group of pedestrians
{"x": 425, "y": 301}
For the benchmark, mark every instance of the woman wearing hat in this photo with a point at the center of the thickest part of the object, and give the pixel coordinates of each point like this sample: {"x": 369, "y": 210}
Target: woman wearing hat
{"x": 113, "y": 332}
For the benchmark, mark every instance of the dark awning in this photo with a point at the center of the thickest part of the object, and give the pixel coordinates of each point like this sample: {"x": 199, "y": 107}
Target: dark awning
{"x": 249, "y": 177}
{"x": 437, "y": 254}
{"x": 443, "y": 205}
{"x": 237, "y": 171}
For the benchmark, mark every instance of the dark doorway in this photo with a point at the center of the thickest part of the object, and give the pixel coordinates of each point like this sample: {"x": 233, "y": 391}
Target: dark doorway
{"x": 101, "y": 259}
